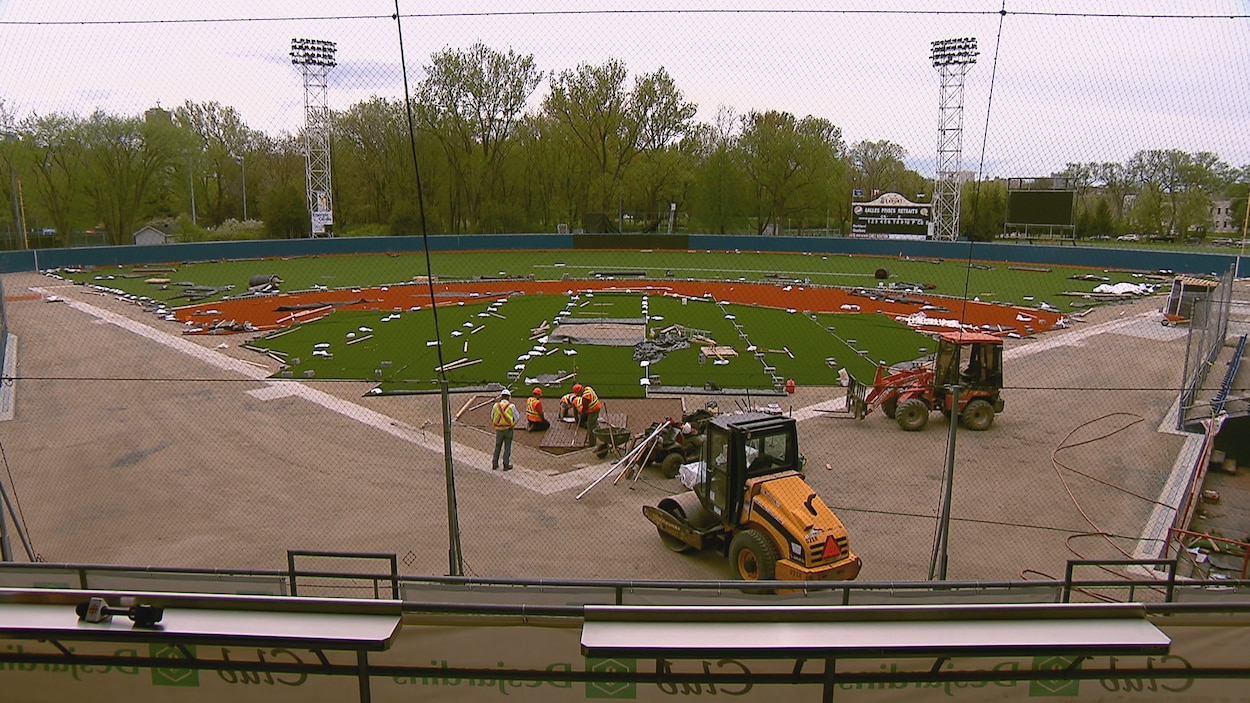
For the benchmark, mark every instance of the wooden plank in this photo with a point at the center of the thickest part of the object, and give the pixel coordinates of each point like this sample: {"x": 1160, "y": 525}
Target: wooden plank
{"x": 563, "y": 435}
{"x": 463, "y": 408}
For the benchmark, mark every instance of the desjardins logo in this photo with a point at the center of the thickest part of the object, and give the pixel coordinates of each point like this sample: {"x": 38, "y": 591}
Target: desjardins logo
{"x": 173, "y": 675}
{"x": 615, "y": 690}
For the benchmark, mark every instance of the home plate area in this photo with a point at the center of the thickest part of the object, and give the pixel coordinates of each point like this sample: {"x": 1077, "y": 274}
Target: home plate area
{"x": 634, "y": 414}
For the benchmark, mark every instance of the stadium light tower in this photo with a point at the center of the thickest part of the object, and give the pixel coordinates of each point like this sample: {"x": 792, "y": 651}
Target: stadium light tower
{"x": 315, "y": 58}
{"x": 952, "y": 58}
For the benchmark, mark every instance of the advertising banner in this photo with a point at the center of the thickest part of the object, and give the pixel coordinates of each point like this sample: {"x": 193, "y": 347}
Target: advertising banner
{"x": 529, "y": 660}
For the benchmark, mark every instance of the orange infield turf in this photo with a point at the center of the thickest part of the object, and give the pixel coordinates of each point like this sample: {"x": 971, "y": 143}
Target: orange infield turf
{"x": 285, "y": 309}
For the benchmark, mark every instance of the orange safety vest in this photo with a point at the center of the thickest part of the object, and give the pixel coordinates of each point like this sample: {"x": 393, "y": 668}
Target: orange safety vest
{"x": 534, "y": 409}
{"x": 503, "y": 415}
{"x": 590, "y": 400}
{"x": 566, "y": 400}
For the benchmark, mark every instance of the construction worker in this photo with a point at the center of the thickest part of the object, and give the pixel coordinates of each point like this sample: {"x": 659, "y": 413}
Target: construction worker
{"x": 503, "y": 417}
{"x": 566, "y": 405}
{"x": 534, "y": 419}
{"x": 588, "y": 412}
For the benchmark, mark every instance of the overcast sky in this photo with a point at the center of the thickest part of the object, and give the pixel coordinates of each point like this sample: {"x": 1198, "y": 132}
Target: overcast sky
{"x": 1073, "y": 81}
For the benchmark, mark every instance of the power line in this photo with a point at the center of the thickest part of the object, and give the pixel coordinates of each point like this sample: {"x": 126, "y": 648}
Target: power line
{"x": 625, "y": 12}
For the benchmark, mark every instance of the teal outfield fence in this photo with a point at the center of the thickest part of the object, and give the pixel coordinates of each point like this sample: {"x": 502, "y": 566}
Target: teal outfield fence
{"x": 1123, "y": 259}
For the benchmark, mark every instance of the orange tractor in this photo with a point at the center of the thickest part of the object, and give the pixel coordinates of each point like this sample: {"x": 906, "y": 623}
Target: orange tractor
{"x": 970, "y": 359}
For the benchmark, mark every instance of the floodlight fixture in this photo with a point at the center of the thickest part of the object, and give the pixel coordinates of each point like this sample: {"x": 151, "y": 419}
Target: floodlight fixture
{"x": 313, "y": 52}
{"x": 946, "y": 52}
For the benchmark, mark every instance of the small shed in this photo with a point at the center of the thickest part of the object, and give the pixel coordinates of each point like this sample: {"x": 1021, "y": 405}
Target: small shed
{"x": 154, "y": 233}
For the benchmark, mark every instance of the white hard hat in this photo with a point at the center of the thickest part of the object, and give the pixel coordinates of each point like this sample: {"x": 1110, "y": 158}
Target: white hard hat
{"x": 506, "y": 393}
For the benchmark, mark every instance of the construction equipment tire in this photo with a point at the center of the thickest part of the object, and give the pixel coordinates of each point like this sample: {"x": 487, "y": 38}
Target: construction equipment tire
{"x": 671, "y": 466}
{"x": 978, "y": 415}
{"x": 890, "y": 407}
{"x": 753, "y": 556}
{"x": 912, "y": 415}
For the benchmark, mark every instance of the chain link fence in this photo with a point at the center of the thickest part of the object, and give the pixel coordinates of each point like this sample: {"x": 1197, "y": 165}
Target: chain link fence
{"x": 136, "y": 444}
{"x": 1208, "y": 328}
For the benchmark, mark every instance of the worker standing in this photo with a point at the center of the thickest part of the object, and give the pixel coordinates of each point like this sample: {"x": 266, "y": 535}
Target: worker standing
{"x": 503, "y": 417}
{"x": 534, "y": 419}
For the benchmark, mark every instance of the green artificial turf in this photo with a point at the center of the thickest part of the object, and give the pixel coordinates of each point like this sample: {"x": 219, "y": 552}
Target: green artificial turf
{"x": 687, "y": 367}
{"x": 393, "y": 348}
{"x": 989, "y": 282}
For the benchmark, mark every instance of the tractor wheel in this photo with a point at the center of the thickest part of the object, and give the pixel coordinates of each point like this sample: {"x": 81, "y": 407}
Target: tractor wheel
{"x": 890, "y": 407}
{"x": 978, "y": 415}
{"x": 753, "y": 556}
{"x": 671, "y": 465}
{"x": 912, "y": 415}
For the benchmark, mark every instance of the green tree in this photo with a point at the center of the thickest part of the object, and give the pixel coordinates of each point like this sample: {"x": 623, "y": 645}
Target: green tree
{"x": 372, "y": 154}
{"x": 405, "y": 219}
{"x": 983, "y": 213}
{"x": 123, "y": 156}
{"x": 57, "y": 159}
{"x": 877, "y": 166}
{"x": 719, "y": 190}
{"x": 1101, "y": 222}
{"x": 611, "y": 126}
{"x": 788, "y": 164}
{"x": 11, "y": 151}
{"x": 471, "y": 101}
{"x": 1117, "y": 184}
{"x": 286, "y": 212}
{"x": 1148, "y": 212}
{"x": 548, "y": 182}
{"x": 1183, "y": 184}
{"x": 222, "y": 142}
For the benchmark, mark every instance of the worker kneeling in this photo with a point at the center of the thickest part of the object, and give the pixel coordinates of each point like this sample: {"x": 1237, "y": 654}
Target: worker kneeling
{"x": 534, "y": 419}
{"x": 567, "y": 409}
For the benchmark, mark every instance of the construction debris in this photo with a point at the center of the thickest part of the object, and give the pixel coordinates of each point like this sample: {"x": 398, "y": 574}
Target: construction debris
{"x": 457, "y": 364}
{"x": 668, "y": 340}
{"x": 719, "y": 351}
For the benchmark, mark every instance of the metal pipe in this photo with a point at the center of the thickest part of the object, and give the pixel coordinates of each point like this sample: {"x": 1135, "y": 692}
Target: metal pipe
{"x": 937, "y": 566}
{"x": 455, "y": 557}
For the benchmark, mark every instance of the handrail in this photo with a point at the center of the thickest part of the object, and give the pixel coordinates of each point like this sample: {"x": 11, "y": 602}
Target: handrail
{"x": 620, "y": 588}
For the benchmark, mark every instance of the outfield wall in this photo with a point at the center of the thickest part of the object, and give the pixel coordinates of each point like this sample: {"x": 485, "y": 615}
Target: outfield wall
{"x": 1053, "y": 255}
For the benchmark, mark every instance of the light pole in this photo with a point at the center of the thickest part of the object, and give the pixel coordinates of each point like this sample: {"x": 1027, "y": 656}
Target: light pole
{"x": 191, "y": 185}
{"x": 952, "y": 58}
{"x": 243, "y": 167}
{"x": 315, "y": 58}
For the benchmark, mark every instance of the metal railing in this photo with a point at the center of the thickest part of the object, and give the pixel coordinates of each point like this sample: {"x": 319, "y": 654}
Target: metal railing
{"x": 1150, "y": 581}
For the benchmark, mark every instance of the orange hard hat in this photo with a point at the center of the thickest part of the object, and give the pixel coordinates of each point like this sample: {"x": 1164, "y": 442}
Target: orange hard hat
{"x": 538, "y": 391}
{"x": 577, "y": 388}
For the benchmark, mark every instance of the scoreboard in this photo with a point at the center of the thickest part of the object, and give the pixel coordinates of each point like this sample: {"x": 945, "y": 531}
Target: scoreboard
{"x": 891, "y": 216}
